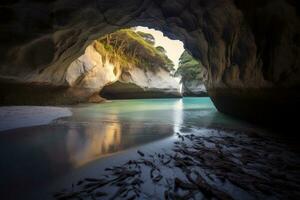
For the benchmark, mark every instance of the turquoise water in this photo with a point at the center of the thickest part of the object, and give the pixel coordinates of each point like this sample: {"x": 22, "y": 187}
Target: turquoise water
{"x": 193, "y": 111}
{"x": 95, "y": 131}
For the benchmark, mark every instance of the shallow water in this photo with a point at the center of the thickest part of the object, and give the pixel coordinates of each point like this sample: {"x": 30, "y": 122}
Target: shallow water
{"x": 35, "y": 156}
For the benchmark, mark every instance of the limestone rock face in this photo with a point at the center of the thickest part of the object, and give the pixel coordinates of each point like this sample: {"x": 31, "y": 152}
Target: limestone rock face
{"x": 245, "y": 45}
{"x": 138, "y": 83}
{"x": 194, "y": 88}
{"x": 158, "y": 80}
{"x": 90, "y": 71}
{"x": 193, "y": 75}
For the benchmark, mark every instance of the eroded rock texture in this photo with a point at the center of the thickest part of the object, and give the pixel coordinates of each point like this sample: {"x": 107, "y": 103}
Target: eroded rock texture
{"x": 194, "y": 88}
{"x": 250, "y": 48}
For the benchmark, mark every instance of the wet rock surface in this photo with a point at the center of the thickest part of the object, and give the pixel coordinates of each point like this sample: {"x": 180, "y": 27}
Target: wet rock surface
{"x": 203, "y": 164}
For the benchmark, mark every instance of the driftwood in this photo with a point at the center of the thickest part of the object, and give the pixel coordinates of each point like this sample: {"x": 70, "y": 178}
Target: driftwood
{"x": 246, "y": 161}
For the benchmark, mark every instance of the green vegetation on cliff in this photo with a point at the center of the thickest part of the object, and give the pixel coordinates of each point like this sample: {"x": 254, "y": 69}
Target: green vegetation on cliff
{"x": 133, "y": 49}
{"x": 190, "y": 69}
{"x": 147, "y": 37}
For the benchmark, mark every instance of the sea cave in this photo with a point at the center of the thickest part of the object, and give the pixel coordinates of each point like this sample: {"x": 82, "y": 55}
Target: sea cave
{"x": 149, "y": 99}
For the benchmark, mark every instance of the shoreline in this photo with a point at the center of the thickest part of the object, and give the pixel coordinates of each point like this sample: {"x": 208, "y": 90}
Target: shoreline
{"x": 13, "y": 117}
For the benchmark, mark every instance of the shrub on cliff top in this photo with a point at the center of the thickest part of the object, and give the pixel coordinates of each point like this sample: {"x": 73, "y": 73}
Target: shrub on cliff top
{"x": 131, "y": 49}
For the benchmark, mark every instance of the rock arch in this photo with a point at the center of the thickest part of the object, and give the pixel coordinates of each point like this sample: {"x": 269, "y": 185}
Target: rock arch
{"x": 250, "y": 48}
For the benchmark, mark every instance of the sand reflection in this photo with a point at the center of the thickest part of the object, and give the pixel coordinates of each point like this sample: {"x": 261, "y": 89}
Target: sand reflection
{"x": 92, "y": 142}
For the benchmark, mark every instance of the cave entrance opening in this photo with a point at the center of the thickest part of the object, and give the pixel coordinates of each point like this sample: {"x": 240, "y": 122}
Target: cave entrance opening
{"x": 141, "y": 62}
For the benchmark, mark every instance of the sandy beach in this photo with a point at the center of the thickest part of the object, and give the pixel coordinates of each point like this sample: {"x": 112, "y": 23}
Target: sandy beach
{"x": 25, "y": 116}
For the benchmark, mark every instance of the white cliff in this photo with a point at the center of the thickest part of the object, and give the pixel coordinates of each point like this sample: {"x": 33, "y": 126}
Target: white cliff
{"x": 93, "y": 72}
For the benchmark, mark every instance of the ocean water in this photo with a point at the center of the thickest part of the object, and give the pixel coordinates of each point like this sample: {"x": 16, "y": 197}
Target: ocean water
{"x": 35, "y": 156}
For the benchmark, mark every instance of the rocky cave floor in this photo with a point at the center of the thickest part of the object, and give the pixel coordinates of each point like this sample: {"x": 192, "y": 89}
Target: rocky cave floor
{"x": 203, "y": 164}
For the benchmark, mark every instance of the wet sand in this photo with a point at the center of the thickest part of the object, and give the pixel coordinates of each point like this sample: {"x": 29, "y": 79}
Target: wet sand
{"x": 199, "y": 163}
{"x": 13, "y": 117}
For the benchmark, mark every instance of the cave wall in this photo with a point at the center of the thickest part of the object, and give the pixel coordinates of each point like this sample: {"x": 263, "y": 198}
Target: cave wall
{"x": 245, "y": 45}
